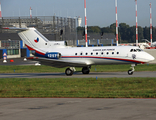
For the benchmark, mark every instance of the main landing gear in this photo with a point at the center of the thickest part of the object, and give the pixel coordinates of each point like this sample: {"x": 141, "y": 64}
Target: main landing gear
{"x": 71, "y": 70}
{"x": 130, "y": 72}
{"x": 85, "y": 70}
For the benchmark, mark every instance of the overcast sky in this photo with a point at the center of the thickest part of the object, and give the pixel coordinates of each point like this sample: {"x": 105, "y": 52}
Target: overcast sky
{"x": 99, "y": 12}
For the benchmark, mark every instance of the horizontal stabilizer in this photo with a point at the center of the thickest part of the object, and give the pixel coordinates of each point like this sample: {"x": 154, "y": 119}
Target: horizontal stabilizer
{"x": 14, "y": 28}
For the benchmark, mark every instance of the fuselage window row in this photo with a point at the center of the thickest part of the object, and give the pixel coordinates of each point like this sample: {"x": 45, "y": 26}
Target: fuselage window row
{"x": 102, "y": 53}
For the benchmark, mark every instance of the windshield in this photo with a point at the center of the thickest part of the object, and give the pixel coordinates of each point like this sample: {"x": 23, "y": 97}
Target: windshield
{"x": 136, "y": 50}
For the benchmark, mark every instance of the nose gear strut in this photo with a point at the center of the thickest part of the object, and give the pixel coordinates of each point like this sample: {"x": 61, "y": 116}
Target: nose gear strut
{"x": 130, "y": 72}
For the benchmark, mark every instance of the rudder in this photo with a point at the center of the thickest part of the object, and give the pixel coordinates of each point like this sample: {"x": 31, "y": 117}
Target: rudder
{"x": 33, "y": 38}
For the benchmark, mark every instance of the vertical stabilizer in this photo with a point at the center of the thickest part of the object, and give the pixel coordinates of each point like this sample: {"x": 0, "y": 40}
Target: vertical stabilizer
{"x": 33, "y": 39}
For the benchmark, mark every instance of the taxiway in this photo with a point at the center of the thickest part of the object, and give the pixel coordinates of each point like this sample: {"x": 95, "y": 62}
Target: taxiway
{"x": 77, "y": 109}
{"x": 79, "y": 75}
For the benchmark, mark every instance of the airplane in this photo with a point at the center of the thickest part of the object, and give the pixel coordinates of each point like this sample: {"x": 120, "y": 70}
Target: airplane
{"x": 153, "y": 44}
{"x": 57, "y": 54}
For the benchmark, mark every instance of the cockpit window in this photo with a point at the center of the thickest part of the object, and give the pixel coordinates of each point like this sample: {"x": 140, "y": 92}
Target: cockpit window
{"x": 136, "y": 50}
{"x": 139, "y": 50}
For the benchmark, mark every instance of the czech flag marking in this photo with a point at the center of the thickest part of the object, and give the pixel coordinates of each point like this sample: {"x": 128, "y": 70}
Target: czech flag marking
{"x": 36, "y": 40}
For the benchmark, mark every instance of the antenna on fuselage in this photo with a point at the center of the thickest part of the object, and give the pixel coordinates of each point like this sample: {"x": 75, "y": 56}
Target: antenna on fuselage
{"x": 85, "y": 24}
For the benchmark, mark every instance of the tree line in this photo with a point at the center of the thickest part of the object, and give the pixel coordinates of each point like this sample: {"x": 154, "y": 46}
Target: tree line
{"x": 126, "y": 33}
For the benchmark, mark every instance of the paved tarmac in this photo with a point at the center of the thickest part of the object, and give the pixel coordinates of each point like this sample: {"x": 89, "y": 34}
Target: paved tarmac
{"x": 20, "y": 61}
{"x": 77, "y": 109}
{"x": 17, "y": 61}
{"x": 78, "y": 75}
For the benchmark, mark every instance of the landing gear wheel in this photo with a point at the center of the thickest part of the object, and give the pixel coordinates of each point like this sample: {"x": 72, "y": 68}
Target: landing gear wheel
{"x": 130, "y": 72}
{"x": 85, "y": 70}
{"x": 68, "y": 72}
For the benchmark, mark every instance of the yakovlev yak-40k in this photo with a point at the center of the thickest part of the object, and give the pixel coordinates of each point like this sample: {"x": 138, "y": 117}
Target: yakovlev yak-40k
{"x": 57, "y": 54}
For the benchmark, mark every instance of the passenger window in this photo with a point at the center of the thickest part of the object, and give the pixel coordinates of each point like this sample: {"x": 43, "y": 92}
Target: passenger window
{"x": 91, "y": 53}
{"x": 112, "y": 53}
{"x": 101, "y": 53}
{"x": 97, "y": 53}
{"x": 107, "y": 53}
{"x": 134, "y": 50}
{"x": 81, "y": 53}
{"x": 75, "y": 53}
{"x": 117, "y": 53}
{"x": 86, "y": 53}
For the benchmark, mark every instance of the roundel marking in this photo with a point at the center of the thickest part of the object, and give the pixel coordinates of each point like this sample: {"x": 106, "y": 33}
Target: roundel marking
{"x": 36, "y": 40}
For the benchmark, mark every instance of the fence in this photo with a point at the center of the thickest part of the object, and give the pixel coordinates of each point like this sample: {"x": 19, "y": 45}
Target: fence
{"x": 99, "y": 42}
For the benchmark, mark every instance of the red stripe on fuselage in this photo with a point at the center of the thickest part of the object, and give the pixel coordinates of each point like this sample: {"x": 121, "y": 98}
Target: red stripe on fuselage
{"x": 126, "y": 60}
{"x": 30, "y": 48}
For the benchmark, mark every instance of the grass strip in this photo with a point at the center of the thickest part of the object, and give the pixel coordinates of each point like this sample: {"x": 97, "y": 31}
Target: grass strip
{"x": 97, "y": 68}
{"x": 78, "y": 87}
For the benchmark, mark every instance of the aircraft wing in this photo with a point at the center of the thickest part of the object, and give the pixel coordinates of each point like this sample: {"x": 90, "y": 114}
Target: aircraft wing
{"x": 59, "y": 63}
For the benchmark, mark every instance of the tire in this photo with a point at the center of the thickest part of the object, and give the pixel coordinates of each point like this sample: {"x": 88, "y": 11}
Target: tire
{"x": 130, "y": 72}
{"x": 69, "y": 72}
{"x": 85, "y": 70}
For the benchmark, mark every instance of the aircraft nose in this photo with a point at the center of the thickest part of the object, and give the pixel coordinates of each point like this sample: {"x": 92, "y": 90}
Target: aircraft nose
{"x": 151, "y": 58}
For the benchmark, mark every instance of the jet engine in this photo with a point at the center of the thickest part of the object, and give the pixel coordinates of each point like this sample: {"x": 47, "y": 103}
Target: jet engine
{"x": 53, "y": 55}
{"x": 50, "y": 55}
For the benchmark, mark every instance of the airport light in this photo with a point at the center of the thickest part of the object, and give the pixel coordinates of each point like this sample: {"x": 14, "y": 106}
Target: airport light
{"x": 0, "y": 12}
{"x": 30, "y": 12}
{"x": 85, "y": 24}
{"x": 151, "y": 23}
{"x": 136, "y": 24}
{"x": 116, "y": 23}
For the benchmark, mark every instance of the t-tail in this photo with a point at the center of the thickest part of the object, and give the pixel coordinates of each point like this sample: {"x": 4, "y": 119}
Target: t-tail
{"x": 34, "y": 40}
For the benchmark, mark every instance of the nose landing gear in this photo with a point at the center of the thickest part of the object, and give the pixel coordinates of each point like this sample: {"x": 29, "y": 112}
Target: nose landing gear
{"x": 130, "y": 72}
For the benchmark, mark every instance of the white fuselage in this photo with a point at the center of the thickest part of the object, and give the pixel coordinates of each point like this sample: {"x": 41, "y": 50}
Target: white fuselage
{"x": 103, "y": 55}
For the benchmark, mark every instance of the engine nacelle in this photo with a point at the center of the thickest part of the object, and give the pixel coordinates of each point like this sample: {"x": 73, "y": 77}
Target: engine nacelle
{"x": 53, "y": 55}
